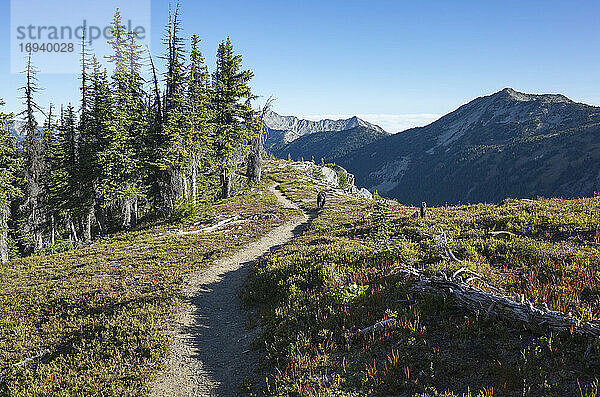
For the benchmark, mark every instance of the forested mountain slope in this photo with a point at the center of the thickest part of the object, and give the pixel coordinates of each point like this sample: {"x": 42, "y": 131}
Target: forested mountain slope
{"x": 508, "y": 144}
{"x": 332, "y": 146}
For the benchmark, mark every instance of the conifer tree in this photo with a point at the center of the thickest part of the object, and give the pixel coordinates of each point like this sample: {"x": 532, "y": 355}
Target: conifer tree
{"x": 171, "y": 153}
{"x": 64, "y": 171}
{"x": 48, "y": 129}
{"x": 199, "y": 138}
{"x": 120, "y": 163}
{"x": 33, "y": 208}
{"x": 97, "y": 135}
{"x": 85, "y": 83}
{"x": 231, "y": 106}
{"x": 157, "y": 101}
{"x": 48, "y": 137}
{"x": 154, "y": 142}
{"x": 86, "y": 183}
{"x": 138, "y": 124}
{"x": 8, "y": 170}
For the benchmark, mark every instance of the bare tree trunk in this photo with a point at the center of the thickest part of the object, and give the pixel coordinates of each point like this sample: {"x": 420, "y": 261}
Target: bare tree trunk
{"x": 87, "y": 227}
{"x": 126, "y": 211}
{"x": 52, "y": 229}
{"x": 194, "y": 180}
{"x": 171, "y": 187}
{"x": 71, "y": 228}
{"x": 38, "y": 237}
{"x": 186, "y": 189}
{"x": 255, "y": 158}
{"x": 74, "y": 237}
{"x": 226, "y": 183}
{"x": 4, "y": 213}
{"x": 129, "y": 209}
{"x": 134, "y": 212}
{"x": 101, "y": 219}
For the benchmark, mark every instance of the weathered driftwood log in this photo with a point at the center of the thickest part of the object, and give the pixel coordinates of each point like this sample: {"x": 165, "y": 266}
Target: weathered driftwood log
{"x": 520, "y": 312}
{"x": 376, "y": 327}
{"x": 443, "y": 244}
{"x": 38, "y": 356}
{"x": 502, "y": 233}
{"x": 480, "y": 301}
{"x": 219, "y": 225}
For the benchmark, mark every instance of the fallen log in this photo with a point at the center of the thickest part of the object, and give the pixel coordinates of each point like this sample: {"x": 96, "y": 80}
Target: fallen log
{"x": 38, "y": 356}
{"x": 501, "y": 233}
{"x": 520, "y": 312}
{"x": 443, "y": 244}
{"x": 219, "y": 225}
{"x": 376, "y": 327}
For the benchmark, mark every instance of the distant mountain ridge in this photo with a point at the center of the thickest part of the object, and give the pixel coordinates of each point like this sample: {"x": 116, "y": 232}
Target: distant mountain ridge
{"x": 331, "y": 146}
{"x": 508, "y": 144}
{"x": 327, "y": 139}
{"x": 288, "y": 128}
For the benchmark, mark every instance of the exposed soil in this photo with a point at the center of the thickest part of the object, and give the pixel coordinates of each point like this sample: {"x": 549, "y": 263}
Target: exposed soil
{"x": 211, "y": 354}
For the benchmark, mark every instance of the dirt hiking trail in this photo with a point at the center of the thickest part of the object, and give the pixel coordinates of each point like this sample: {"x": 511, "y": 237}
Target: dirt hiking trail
{"x": 211, "y": 354}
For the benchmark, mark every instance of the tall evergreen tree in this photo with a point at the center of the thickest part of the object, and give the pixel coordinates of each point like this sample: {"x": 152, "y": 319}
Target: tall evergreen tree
{"x": 48, "y": 136}
{"x": 199, "y": 138}
{"x": 120, "y": 162}
{"x": 85, "y": 82}
{"x": 154, "y": 142}
{"x": 8, "y": 171}
{"x": 86, "y": 183}
{"x": 64, "y": 171}
{"x": 175, "y": 75}
{"x": 33, "y": 208}
{"x": 231, "y": 106}
{"x": 97, "y": 137}
{"x": 171, "y": 153}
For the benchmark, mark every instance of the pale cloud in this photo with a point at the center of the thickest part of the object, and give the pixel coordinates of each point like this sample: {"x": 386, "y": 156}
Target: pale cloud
{"x": 390, "y": 122}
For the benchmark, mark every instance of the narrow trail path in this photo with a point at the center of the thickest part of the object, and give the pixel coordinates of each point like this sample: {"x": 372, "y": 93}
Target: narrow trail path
{"x": 211, "y": 353}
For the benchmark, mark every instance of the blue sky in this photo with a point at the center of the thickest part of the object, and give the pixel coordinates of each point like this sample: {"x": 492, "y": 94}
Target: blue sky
{"x": 393, "y": 62}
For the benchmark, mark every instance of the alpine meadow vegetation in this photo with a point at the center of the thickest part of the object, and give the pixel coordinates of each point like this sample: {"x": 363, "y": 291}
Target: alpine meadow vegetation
{"x": 320, "y": 296}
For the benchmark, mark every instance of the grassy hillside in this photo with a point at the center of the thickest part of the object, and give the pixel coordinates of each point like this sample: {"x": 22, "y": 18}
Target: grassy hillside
{"x": 100, "y": 313}
{"x": 343, "y": 275}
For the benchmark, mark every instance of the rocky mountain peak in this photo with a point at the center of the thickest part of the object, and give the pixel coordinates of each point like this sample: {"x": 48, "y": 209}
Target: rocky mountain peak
{"x": 290, "y": 128}
{"x": 512, "y": 95}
